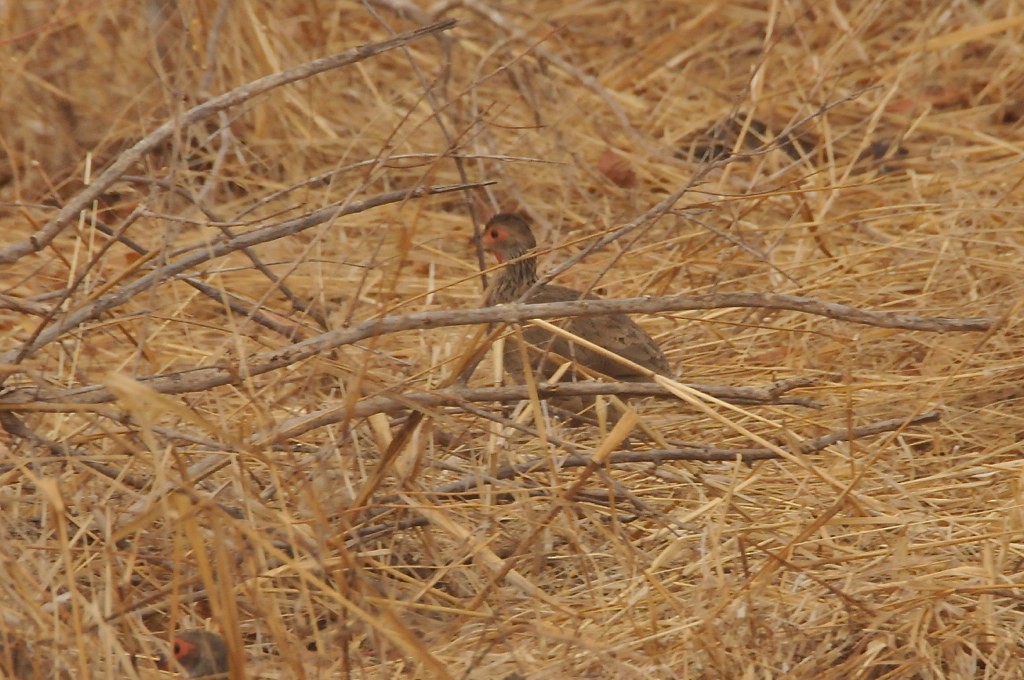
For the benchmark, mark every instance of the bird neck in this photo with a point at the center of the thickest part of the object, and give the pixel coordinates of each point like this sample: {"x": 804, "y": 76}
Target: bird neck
{"x": 515, "y": 278}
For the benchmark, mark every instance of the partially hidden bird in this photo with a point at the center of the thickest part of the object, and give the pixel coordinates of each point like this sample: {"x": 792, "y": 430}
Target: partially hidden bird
{"x": 202, "y": 653}
{"x": 509, "y": 237}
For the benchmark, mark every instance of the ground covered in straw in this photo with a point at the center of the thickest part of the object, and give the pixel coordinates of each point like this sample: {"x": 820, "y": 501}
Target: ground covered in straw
{"x": 235, "y": 354}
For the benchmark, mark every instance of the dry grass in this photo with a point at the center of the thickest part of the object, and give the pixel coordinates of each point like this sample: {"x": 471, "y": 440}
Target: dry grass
{"x": 892, "y": 556}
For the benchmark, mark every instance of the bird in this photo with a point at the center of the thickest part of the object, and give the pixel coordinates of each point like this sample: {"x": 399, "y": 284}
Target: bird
{"x": 204, "y": 654}
{"x": 509, "y": 237}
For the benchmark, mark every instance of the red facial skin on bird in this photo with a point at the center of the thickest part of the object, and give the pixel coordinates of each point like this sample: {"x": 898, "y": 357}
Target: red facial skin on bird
{"x": 492, "y": 236}
{"x": 182, "y": 648}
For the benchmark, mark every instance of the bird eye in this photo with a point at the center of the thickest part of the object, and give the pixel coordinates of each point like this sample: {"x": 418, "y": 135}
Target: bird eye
{"x": 494, "y": 233}
{"x": 182, "y": 648}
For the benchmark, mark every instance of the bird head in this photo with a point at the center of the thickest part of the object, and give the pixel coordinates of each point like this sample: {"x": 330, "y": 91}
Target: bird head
{"x": 508, "y": 236}
{"x": 202, "y": 653}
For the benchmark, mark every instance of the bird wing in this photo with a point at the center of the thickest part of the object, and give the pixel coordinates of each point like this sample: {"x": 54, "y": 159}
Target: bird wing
{"x": 614, "y": 332}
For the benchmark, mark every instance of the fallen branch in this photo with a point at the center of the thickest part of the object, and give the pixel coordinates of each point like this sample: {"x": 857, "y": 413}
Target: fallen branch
{"x": 468, "y": 487}
{"x": 455, "y": 396}
{"x": 214, "y": 376}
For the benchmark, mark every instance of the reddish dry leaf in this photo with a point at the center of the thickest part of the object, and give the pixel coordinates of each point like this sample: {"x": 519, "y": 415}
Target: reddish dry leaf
{"x": 616, "y": 168}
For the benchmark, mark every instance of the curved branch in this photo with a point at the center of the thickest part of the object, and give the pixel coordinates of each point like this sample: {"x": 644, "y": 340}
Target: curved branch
{"x": 215, "y": 376}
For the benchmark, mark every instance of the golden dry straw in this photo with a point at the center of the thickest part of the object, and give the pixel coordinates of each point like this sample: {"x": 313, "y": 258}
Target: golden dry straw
{"x": 248, "y": 384}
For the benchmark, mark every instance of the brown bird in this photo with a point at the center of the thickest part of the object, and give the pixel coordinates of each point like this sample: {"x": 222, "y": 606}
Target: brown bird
{"x": 202, "y": 653}
{"x": 509, "y": 237}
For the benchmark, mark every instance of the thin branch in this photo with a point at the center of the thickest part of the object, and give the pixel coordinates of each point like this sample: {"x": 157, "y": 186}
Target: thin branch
{"x": 469, "y": 486}
{"x": 667, "y": 204}
{"x": 210, "y": 251}
{"x": 214, "y": 376}
{"x": 458, "y": 396}
{"x": 18, "y": 430}
{"x": 290, "y": 332}
{"x": 277, "y": 282}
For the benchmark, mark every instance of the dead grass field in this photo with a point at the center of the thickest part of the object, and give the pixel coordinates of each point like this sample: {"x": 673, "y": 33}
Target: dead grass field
{"x": 201, "y": 434}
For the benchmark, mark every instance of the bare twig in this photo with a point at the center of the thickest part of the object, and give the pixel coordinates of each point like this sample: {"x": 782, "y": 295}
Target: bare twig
{"x": 668, "y": 203}
{"x": 17, "y": 429}
{"x": 468, "y": 487}
{"x": 213, "y": 376}
{"x": 770, "y": 394}
{"x": 210, "y": 251}
{"x": 278, "y": 283}
{"x": 291, "y": 332}
{"x": 457, "y": 396}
